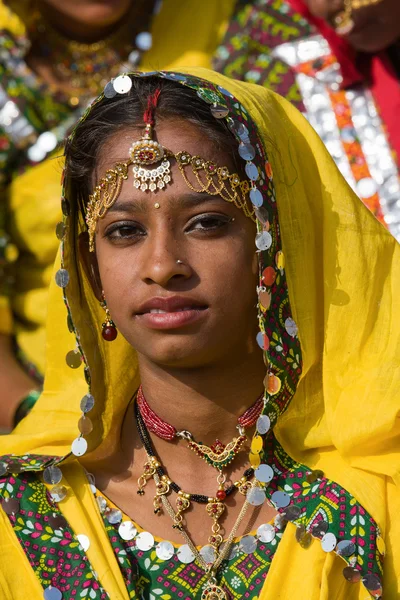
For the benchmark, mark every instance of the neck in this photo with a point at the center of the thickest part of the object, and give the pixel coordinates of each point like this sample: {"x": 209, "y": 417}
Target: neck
{"x": 206, "y": 401}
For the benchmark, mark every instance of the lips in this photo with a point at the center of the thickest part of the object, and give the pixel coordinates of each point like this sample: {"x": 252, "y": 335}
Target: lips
{"x": 170, "y": 313}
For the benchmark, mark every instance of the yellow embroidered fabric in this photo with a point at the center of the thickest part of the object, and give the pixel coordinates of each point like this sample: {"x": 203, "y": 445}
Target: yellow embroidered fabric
{"x": 343, "y": 271}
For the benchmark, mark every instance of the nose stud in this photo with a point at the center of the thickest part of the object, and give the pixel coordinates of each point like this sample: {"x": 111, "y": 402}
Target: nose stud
{"x": 179, "y": 262}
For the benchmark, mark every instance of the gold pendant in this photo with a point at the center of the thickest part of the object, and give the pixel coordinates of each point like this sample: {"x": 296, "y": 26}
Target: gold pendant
{"x": 213, "y": 592}
{"x": 219, "y": 455}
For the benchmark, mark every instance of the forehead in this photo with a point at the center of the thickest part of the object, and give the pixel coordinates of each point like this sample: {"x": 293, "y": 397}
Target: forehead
{"x": 173, "y": 134}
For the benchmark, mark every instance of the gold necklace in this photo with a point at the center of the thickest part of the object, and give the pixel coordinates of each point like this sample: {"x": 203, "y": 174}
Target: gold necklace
{"x": 212, "y": 590}
{"x": 343, "y": 21}
{"x": 87, "y": 67}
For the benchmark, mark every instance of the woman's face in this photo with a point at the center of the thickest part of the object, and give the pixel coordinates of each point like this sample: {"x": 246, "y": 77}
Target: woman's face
{"x": 376, "y": 26}
{"x": 178, "y": 314}
{"x": 93, "y": 13}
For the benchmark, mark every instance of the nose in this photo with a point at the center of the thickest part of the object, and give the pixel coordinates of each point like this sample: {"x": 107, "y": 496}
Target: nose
{"x": 163, "y": 262}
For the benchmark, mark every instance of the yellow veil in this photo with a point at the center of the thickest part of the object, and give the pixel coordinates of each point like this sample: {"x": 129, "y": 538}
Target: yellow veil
{"x": 343, "y": 274}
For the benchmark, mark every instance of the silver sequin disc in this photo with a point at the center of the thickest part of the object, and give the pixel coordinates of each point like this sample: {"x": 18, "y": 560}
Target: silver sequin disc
{"x": 246, "y": 151}
{"x": 62, "y": 278}
{"x": 185, "y": 555}
{"x": 280, "y": 499}
{"x": 52, "y": 593}
{"x": 87, "y": 403}
{"x": 292, "y": 512}
{"x": 208, "y": 554}
{"x": 263, "y": 240}
{"x": 58, "y": 493}
{"x": 57, "y": 521}
{"x": 233, "y": 551}
{"x": 10, "y": 506}
{"x": 84, "y": 541}
{"x": 256, "y": 496}
{"x": 263, "y": 424}
{"x": 122, "y": 84}
{"x": 52, "y": 475}
{"x": 256, "y": 197}
{"x": 372, "y": 583}
{"x": 144, "y": 541}
{"x": 248, "y": 544}
{"x": 351, "y": 574}
{"x": 60, "y": 230}
{"x": 251, "y": 171}
{"x": 291, "y": 327}
{"x": 127, "y": 530}
{"x": 144, "y": 41}
{"x": 240, "y": 129}
{"x": 264, "y": 473}
{"x": 319, "y": 529}
{"x": 114, "y": 516}
{"x": 165, "y": 550}
{"x": 109, "y": 91}
{"x": 102, "y": 504}
{"x": 74, "y": 359}
{"x": 328, "y": 542}
{"x": 266, "y": 533}
{"x": 346, "y": 548}
{"x": 3, "y": 468}
{"x": 79, "y": 446}
{"x": 262, "y": 214}
{"x": 219, "y": 111}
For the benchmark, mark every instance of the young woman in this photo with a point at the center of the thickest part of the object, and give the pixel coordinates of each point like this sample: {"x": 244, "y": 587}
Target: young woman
{"x": 238, "y": 434}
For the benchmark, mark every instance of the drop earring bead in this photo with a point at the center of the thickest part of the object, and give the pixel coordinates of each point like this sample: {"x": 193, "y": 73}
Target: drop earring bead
{"x": 108, "y": 329}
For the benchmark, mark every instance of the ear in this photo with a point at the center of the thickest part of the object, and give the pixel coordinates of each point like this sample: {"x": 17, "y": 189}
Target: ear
{"x": 89, "y": 262}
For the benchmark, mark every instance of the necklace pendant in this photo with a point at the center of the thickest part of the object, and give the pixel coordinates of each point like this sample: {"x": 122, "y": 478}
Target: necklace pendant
{"x": 182, "y": 503}
{"x": 149, "y": 469}
{"x": 218, "y": 456}
{"x": 213, "y": 592}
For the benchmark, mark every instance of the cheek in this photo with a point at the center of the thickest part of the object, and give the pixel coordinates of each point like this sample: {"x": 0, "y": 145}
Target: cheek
{"x": 117, "y": 272}
{"x": 233, "y": 276}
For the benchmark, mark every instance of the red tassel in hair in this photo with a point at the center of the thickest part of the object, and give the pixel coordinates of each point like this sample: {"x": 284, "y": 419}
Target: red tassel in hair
{"x": 152, "y": 102}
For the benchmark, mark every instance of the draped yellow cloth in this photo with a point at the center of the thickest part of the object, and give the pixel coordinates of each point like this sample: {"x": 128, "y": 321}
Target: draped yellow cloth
{"x": 184, "y": 32}
{"x": 343, "y": 272}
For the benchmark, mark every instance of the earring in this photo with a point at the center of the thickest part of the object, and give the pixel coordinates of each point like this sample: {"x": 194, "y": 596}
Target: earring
{"x": 109, "y": 331}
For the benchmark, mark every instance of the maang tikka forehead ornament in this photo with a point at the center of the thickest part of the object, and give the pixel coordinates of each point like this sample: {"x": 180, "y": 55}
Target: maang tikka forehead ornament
{"x": 145, "y": 154}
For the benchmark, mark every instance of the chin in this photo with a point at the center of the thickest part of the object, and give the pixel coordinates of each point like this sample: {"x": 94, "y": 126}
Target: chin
{"x": 177, "y": 351}
{"x": 97, "y": 12}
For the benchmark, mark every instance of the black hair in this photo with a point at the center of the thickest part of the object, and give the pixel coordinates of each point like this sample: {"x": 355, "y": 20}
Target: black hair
{"x": 111, "y": 115}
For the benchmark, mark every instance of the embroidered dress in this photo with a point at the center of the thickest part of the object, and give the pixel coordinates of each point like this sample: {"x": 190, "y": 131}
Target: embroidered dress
{"x": 326, "y": 448}
{"x": 315, "y": 511}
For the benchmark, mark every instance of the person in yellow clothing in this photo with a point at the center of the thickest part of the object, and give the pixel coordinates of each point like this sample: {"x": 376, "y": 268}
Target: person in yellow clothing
{"x": 54, "y": 57}
{"x": 233, "y": 308}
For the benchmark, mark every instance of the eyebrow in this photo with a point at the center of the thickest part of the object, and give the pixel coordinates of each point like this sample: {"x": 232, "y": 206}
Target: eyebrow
{"x": 142, "y": 205}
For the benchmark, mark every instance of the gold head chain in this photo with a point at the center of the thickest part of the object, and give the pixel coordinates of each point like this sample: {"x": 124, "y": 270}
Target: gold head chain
{"x": 144, "y": 155}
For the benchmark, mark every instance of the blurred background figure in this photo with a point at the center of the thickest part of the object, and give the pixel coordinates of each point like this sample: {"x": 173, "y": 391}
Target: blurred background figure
{"x": 336, "y": 60}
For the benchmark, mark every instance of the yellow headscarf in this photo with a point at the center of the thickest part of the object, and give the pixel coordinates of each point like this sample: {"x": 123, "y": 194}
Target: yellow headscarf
{"x": 343, "y": 274}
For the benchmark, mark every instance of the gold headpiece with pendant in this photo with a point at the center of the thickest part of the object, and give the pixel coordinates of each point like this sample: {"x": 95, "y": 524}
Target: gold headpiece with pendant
{"x": 152, "y": 172}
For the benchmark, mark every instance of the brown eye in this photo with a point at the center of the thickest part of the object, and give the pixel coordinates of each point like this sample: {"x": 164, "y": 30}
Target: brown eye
{"x": 119, "y": 231}
{"x": 208, "y": 222}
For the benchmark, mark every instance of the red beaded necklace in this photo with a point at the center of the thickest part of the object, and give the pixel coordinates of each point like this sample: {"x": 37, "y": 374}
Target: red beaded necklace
{"x": 218, "y": 455}
{"x": 168, "y": 432}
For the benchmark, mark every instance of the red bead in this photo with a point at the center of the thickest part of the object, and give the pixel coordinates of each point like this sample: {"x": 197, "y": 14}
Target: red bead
{"x": 221, "y": 494}
{"x": 109, "y": 333}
